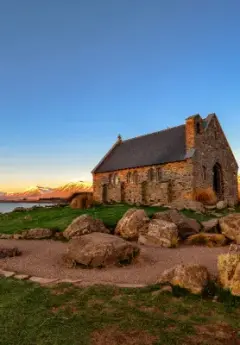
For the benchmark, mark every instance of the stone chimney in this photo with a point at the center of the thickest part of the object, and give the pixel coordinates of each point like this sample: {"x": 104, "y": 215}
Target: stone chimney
{"x": 194, "y": 128}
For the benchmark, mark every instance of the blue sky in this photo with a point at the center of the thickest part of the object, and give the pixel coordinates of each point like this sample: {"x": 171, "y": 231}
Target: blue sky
{"x": 74, "y": 74}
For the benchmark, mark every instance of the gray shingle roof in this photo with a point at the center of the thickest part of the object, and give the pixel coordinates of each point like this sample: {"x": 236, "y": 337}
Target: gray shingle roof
{"x": 157, "y": 148}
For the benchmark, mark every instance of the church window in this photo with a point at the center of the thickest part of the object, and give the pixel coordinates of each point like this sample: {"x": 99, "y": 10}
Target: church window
{"x": 150, "y": 175}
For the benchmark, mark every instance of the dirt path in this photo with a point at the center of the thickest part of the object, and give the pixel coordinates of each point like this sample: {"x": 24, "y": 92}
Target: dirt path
{"x": 43, "y": 259}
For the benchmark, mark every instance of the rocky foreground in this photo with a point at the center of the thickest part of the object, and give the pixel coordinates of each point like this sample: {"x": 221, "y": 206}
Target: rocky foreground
{"x": 92, "y": 245}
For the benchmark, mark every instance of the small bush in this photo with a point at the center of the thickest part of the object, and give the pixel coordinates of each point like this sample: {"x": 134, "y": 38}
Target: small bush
{"x": 174, "y": 243}
{"x": 206, "y": 195}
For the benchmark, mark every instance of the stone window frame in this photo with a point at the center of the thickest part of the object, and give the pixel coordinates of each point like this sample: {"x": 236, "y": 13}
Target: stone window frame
{"x": 116, "y": 179}
{"x": 204, "y": 172}
{"x": 135, "y": 177}
{"x": 150, "y": 175}
{"x": 129, "y": 177}
{"x": 159, "y": 174}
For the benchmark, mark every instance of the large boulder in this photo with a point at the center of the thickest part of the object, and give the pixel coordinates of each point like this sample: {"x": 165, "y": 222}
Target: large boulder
{"x": 130, "y": 224}
{"x": 210, "y": 240}
{"x": 37, "y": 234}
{"x": 161, "y": 233}
{"x": 100, "y": 250}
{"x": 83, "y": 225}
{"x": 191, "y": 277}
{"x": 230, "y": 227}
{"x": 185, "y": 204}
{"x": 211, "y": 225}
{"x": 229, "y": 272}
{"x": 186, "y": 226}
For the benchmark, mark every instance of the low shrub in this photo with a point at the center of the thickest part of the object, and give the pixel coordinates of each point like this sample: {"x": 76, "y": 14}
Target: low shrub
{"x": 174, "y": 242}
{"x": 198, "y": 240}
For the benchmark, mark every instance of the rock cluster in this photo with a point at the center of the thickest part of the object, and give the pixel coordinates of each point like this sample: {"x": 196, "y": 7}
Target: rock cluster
{"x": 186, "y": 226}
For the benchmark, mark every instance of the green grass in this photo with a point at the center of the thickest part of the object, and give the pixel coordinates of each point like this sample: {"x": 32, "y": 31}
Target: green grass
{"x": 64, "y": 315}
{"x": 60, "y": 217}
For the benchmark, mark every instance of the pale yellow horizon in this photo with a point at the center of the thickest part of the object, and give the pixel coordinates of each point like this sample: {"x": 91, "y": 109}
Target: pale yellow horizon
{"x": 18, "y": 188}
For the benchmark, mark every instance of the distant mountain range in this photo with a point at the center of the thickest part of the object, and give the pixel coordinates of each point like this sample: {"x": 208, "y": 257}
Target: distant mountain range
{"x": 39, "y": 192}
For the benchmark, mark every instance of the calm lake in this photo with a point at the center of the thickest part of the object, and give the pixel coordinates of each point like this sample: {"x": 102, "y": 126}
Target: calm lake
{"x": 9, "y": 206}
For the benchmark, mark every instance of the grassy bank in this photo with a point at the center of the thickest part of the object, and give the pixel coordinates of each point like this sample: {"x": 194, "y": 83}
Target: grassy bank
{"x": 63, "y": 315}
{"x": 61, "y": 217}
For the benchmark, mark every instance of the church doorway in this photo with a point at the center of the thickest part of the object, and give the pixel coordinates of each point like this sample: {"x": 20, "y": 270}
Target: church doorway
{"x": 218, "y": 180}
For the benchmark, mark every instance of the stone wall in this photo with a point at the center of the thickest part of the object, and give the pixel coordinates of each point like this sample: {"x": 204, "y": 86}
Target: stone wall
{"x": 114, "y": 192}
{"x": 168, "y": 182}
{"x": 212, "y": 147}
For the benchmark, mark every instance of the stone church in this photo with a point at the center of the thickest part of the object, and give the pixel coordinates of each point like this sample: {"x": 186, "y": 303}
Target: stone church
{"x": 168, "y": 165}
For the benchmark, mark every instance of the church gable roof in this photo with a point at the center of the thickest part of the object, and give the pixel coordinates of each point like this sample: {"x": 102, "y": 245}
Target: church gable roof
{"x": 152, "y": 149}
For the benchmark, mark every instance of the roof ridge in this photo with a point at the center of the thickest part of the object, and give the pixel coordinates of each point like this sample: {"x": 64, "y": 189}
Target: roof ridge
{"x": 144, "y": 135}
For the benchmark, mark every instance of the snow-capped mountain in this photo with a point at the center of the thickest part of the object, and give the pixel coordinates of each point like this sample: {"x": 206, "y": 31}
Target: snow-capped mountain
{"x": 75, "y": 186}
{"x": 39, "y": 192}
{"x": 33, "y": 191}
{"x": 68, "y": 189}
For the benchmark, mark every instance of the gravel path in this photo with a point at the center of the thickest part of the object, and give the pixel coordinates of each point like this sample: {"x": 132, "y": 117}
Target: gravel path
{"x": 43, "y": 259}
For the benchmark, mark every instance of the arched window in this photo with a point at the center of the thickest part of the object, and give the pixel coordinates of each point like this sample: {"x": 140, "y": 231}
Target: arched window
{"x": 159, "y": 174}
{"x": 116, "y": 179}
{"x": 129, "y": 177}
{"x": 135, "y": 177}
{"x": 150, "y": 175}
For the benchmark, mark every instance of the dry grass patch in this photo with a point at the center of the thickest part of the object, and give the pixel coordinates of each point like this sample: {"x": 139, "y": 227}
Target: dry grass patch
{"x": 61, "y": 290}
{"x": 95, "y": 302}
{"x": 65, "y": 308}
{"x": 217, "y": 334}
{"x": 206, "y": 195}
{"x": 149, "y": 309}
{"x": 209, "y": 240}
{"x": 115, "y": 336}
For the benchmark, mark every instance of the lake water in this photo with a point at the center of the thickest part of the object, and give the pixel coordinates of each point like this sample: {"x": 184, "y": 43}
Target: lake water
{"x": 9, "y": 206}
